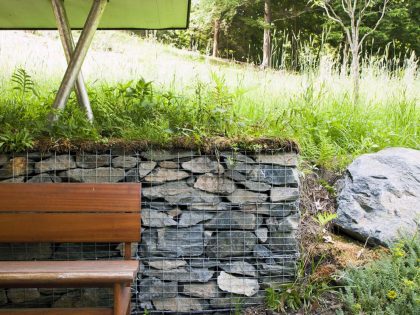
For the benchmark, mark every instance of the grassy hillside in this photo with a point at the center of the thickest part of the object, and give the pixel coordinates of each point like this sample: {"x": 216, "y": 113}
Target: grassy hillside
{"x": 145, "y": 90}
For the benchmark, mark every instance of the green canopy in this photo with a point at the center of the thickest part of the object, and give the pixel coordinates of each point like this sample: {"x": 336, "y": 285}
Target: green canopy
{"x": 119, "y": 14}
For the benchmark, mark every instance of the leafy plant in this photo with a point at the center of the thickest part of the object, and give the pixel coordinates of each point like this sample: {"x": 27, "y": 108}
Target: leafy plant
{"x": 323, "y": 218}
{"x": 15, "y": 140}
{"x": 390, "y": 285}
{"x": 23, "y": 83}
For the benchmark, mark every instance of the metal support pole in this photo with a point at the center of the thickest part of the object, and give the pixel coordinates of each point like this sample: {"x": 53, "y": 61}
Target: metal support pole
{"x": 68, "y": 45}
{"x": 82, "y": 47}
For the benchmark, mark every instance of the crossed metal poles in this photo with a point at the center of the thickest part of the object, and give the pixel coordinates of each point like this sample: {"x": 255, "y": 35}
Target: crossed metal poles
{"x": 75, "y": 55}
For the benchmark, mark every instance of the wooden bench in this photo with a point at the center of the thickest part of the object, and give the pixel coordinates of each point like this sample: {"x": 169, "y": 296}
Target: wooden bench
{"x": 71, "y": 212}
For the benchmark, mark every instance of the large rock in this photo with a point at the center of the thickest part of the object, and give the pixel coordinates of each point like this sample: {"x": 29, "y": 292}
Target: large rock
{"x": 95, "y": 175}
{"x": 144, "y": 168}
{"x": 280, "y": 194}
{"x": 380, "y": 196}
{"x": 242, "y": 286}
{"x": 166, "y": 264}
{"x": 154, "y": 288}
{"x": 55, "y": 163}
{"x": 179, "y": 193}
{"x": 231, "y": 243}
{"x": 215, "y": 184}
{"x": 287, "y": 224}
{"x": 203, "y": 165}
{"x": 181, "y": 241}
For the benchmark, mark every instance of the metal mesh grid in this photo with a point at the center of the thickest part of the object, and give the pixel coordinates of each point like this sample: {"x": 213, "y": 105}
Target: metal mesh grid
{"x": 217, "y": 229}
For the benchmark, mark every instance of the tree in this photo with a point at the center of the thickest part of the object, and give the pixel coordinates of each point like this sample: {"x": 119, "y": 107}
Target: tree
{"x": 218, "y": 13}
{"x": 266, "y": 62}
{"x": 350, "y": 14}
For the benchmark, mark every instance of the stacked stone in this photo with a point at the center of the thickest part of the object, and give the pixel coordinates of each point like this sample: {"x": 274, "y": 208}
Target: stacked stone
{"x": 216, "y": 229}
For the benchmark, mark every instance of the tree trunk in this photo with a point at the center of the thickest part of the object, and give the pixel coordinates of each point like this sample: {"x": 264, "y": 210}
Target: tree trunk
{"x": 216, "y": 38}
{"x": 355, "y": 71}
{"x": 266, "y": 62}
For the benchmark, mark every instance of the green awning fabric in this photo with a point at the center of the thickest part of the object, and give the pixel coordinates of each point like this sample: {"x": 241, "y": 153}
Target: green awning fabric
{"x": 119, "y": 14}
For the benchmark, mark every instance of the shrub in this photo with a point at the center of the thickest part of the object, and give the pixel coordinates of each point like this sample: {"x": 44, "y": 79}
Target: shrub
{"x": 390, "y": 285}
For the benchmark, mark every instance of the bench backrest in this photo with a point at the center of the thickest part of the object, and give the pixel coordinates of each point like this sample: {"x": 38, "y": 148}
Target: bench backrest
{"x": 70, "y": 212}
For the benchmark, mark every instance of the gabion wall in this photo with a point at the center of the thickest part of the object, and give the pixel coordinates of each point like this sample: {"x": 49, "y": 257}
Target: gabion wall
{"x": 217, "y": 229}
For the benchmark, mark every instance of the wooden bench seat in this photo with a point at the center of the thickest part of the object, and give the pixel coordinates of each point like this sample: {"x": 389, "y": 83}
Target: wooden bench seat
{"x": 71, "y": 213}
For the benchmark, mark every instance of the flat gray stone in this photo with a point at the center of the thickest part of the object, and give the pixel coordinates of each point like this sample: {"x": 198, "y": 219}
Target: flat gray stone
{"x": 152, "y": 218}
{"x": 235, "y": 175}
{"x": 286, "y": 243}
{"x": 284, "y": 194}
{"x": 262, "y": 234}
{"x": 92, "y": 160}
{"x": 232, "y": 157}
{"x": 169, "y": 164}
{"x": 260, "y": 251}
{"x": 181, "y": 274}
{"x": 286, "y": 269}
{"x": 179, "y": 304}
{"x": 95, "y": 175}
{"x": 203, "y": 165}
{"x": 167, "y": 264}
{"x": 3, "y": 159}
{"x": 231, "y": 243}
{"x": 242, "y": 196}
{"x": 124, "y": 162}
{"x": 29, "y": 251}
{"x": 3, "y": 297}
{"x": 285, "y": 225}
{"x": 199, "y": 262}
{"x": 19, "y": 179}
{"x": 55, "y": 163}
{"x": 201, "y": 290}
{"x": 161, "y": 155}
{"x": 240, "y": 268}
{"x": 209, "y": 207}
{"x": 215, "y": 184}
{"x": 144, "y": 168}
{"x": 44, "y": 178}
{"x": 162, "y": 175}
{"x": 16, "y": 167}
{"x": 20, "y": 295}
{"x": 181, "y": 241}
{"x": 237, "y": 285}
{"x": 190, "y": 218}
{"x": 228, "y": 220}
{"x": 241, "y": 167}
{"x": 274, "y": 174}
{"x": 256, "y": 186}
{"x": 283, "y": 159}
{"x": 380, "y": 196}
{"x": 154, "y": 288}
{"x": 179, "y": 193}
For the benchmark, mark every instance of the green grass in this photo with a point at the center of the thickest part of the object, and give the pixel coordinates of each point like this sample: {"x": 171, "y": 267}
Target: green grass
{"x": 388, "y": 286}
{"x": 184, "y": 95}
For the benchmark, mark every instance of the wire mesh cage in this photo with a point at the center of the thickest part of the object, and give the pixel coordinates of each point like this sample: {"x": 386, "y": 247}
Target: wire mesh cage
{"x": 217, "y": 229}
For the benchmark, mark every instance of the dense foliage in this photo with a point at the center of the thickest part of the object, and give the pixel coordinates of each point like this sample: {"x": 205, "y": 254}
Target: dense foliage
{"x": 388, "y": 286}
{"x": 299, "y": 30}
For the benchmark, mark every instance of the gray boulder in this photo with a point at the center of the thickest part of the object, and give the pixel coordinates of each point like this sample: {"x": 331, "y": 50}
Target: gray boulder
{"x": 379, "y": 196}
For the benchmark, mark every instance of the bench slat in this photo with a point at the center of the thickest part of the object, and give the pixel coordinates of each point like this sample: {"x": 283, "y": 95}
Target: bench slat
{"x": 70, "y": 197}
{"x": 69, "y": 227}
{"x": 80, "y": 273}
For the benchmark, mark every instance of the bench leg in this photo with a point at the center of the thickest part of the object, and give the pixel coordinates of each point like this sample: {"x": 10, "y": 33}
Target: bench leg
{"x": 122, "y": 297}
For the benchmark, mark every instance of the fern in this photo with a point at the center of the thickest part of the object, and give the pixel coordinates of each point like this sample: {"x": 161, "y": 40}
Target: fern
{"x": 23, "y": 83}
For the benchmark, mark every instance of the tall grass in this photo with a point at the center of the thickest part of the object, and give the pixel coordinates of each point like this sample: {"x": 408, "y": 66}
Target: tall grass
{"x": 142, "y": 89}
